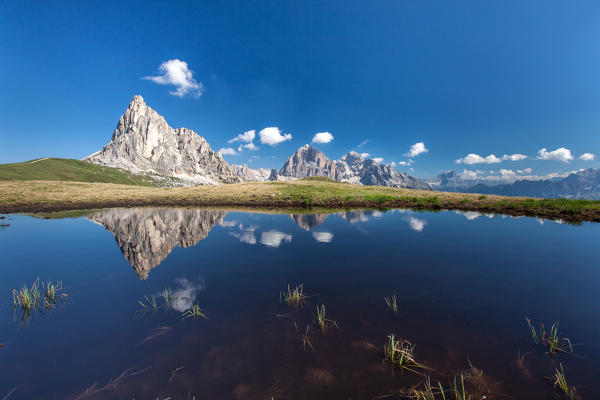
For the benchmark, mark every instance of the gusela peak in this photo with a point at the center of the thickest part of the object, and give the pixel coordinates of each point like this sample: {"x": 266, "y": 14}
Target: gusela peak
{"x": 143, "y": 142}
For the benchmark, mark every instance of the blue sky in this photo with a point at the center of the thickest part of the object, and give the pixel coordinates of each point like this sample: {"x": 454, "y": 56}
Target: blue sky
{"x": 481, "y": 78}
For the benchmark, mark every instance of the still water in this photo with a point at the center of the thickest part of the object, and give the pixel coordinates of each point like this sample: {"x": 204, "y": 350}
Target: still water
{"x": 464, "y": 283}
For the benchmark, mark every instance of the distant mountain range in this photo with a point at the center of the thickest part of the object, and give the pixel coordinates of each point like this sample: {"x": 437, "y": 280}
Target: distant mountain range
{"x": 143, "y": 143}
{"x": 351, "y": 168}
{"x": 579, "y": 185}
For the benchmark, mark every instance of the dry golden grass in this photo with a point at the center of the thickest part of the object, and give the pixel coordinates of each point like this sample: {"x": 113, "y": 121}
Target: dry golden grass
{"x": 40, "y": 196}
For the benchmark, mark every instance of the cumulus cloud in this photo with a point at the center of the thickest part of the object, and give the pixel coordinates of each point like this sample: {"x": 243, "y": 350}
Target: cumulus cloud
{"x": 467, "y": 174}
{"x": 416, "y": 149}
{"x": 561, "y": 154}
{"x": 226, "y": 151}
{"x": 514, "y": 157}
{"x": 250, "y": 146}
{"x": 177, "y": 73}
{"x": 525, "y": 171}
{"x": 272, "y": 136}
{"x": 392, "y": 164}
{"x": 472, "y": 158}
{"x": 416, "y": 224}
{"x": 378, "y": 159}
{"x": 185, "y": 296}
{"x": 323, "y": 237}
{"x": 274, "y": 238}
{"x": 245, "y": 137}
{"x": 587, "y": 157}
{"x": 322, "y": 137}
{"x": 364, "y": 155}
{"x": 405, "y": 163}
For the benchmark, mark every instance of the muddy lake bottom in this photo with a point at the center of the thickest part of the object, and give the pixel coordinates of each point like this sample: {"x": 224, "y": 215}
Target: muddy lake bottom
{"x": 463, "y": 282}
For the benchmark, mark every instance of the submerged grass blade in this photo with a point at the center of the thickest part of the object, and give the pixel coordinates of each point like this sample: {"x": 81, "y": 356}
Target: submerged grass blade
{"x": 392, "y": 303}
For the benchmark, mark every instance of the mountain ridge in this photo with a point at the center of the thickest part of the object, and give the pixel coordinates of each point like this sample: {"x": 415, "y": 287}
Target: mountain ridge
{"x": 351, "y": 168}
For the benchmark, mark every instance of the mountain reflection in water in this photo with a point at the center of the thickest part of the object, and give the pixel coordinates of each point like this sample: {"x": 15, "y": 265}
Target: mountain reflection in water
{"x": 146, "y": 236}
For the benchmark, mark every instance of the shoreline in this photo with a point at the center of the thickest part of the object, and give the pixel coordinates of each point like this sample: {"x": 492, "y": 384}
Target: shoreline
{"x": 301, "y": 195}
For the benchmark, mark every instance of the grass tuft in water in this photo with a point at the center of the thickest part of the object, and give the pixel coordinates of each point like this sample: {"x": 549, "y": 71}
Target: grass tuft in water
{"x": 560, "y": 384}
{"x": 400, "y": 353}
{"x": 27, "y": 298}
{"x": 554, "y": 343}
{"x": 53, "y": 293}
{"x": 194, "y": 312}
{"x": 392, "y": 303}
{"x": 429, "y": 392}
{"x": 294, "y": 297}
{"x": 168, "y": 296}
{"x": 322, "y": 320}
{"x": 306, "y": 340}
{"x": 149, "y": 303}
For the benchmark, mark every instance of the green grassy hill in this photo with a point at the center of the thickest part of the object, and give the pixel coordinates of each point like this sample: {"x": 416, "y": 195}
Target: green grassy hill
{"x": 63, "y": 169}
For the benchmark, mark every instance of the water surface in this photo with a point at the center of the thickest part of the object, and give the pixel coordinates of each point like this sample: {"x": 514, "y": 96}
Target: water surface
{"x": 464, "y": 282}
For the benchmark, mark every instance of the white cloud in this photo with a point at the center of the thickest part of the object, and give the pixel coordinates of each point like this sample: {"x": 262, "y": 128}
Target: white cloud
{"x": 185, "y": 296}
{"x": 378, "y": 159}
{"x": 416, "y": 149}
{"x": 250, "y": 146}
{"x": 470, "y": 215}
{"x": 524, "y": 171}
{"x": 467, "y": 174}
{"x": 560, "y": 154}
{"x": 177, "y": 73}
{"x": 392, "y": 164}
{"x": 364, "y": 155}
{"x": 505, "y": 173}
{"x": 361, "y": 144}
{"x": 587, "y": 157}
{"x": 514, "y": 157}
{"x": 227, "y": 151}
{"x": 405, "y": 163}
{"x": 322, "y": 137}
{"x": 477, "y": 159}
{"x": 274, "y": 238}
{"x": 323, "y": 237}
{"x": 491, "y": 159}
{"x": 416, "y": 224}
{"x": 245, "y": 137}
{"x": 272, "y": 136}
{"x": 245, "y": 236}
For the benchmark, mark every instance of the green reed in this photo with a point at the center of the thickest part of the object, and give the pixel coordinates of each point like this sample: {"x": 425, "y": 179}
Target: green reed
{"x": 560, "y": 383}
{"x": 322, "y": 320}
{"x": 400, "y": 353}
{"x": 294, "y": 297}
{"x": 551, "y": 339}
{"x": 392, "y": 303}
{"x": 27, "y": 298}
{"x": 194, "y": 312}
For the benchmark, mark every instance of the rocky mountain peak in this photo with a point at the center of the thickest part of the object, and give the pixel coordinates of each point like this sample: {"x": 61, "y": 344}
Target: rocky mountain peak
{"x": 143, "y": 142}
{"x": 352, "y": 168}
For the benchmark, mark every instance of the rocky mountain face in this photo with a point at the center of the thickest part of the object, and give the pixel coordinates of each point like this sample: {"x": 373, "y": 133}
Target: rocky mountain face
{"x": 143, "y": 142}
{"x": 146, "y": 236}
{"x": 351, "y": 168}
{"x": 580, "y": 185}
{"x": 249, "y": 174}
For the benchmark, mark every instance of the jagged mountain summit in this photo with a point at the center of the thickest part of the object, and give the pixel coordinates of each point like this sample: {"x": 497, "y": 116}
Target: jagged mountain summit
{"x": 351, "y": 168}
{"x": 249, "y": 174}
{"x": 144, "y": 143}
